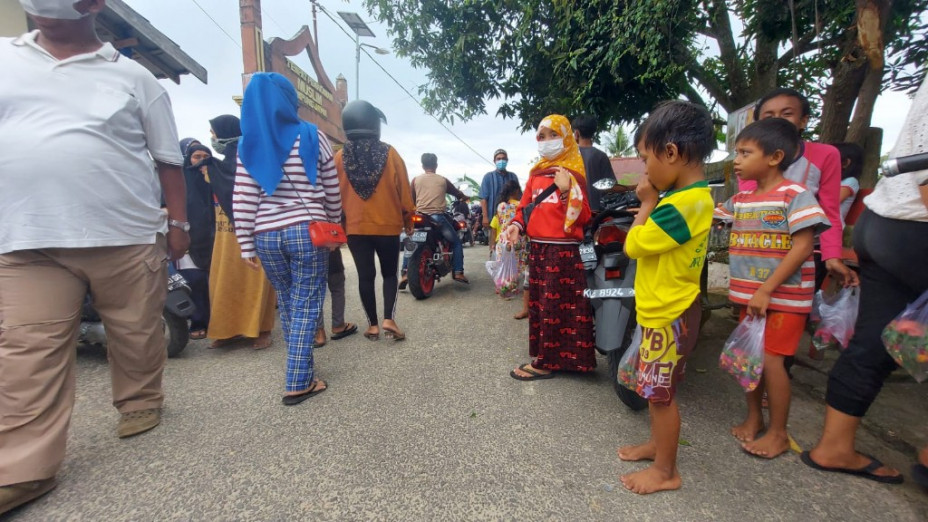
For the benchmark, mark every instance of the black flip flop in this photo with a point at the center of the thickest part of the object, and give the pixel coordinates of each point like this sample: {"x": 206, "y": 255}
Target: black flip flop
{"x": 293, "y": 400}
{"x": 527, "y": 368}
{"x": 460, "y": 278}
{"x": 920, "y": 475}
{"x": 864, "y": 472}
{"x": 350, "y": 329}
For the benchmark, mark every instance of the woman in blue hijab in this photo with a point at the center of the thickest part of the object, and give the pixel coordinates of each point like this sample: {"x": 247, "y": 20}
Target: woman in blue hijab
{"x": 286, "y": 179}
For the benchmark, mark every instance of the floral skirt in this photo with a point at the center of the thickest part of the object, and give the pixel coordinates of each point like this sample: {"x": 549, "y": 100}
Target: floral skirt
{"x": 560, "y": 318}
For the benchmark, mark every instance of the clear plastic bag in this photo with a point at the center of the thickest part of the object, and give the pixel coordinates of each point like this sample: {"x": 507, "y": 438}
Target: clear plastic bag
{"x": 506, "y": 272}
{"x": 628, "y": 364}
{"x": 836, "y": 316}
{"x": 743, "y": 354}
{"x": 906, "y": 338}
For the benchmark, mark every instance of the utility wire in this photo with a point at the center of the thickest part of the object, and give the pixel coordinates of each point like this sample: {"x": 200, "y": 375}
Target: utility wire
{"x": 236, "y": 42}
{"x": 401, "y": 86}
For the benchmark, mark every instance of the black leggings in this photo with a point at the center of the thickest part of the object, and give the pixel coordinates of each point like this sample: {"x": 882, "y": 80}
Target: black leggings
{"x": 892, "y": 257}
{"x": 387, "y": 249}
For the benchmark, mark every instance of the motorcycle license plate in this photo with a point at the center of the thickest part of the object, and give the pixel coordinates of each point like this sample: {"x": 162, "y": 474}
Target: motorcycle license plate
{"x": 588, "y": 255}
{"x": 608, "y": 293}
{"x": 420, "y": 236}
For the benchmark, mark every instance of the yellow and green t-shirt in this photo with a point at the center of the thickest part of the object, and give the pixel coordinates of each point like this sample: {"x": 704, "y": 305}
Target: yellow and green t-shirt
{"x": 671, "y": 249}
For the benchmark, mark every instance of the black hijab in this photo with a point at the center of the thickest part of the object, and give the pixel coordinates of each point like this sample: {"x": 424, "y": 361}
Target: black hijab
{"x": 226, "y": 126}
{"x": 200, "y": 211}
{"x": 228, "y": 131}
{"x": 364, "y": 160}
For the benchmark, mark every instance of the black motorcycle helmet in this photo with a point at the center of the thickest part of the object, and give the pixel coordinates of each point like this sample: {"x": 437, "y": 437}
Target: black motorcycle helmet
{"x": 362, "y": 120}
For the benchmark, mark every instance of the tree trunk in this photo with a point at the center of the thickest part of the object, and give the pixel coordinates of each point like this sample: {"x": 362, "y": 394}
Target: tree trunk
{"x": 872, "y": 144}
{"x": 863, "y": 110}
{"x": 838, "y": 101}
{"x": 861, "y": 48}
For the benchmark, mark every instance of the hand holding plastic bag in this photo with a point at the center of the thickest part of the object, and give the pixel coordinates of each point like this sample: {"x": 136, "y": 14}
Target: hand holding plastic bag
{"x": 628, "y": 364}
{"x": 743, "y": 354}
{"x": 507, "y": 275}
{"x": 837, "y": 315}
{"x": 906, "y": 338}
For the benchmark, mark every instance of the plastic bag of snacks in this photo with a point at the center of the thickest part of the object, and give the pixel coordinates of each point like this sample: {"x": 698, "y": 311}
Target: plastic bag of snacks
{"x": 507, "y": 276}
{"x": 837, "y": 315}
{"x": 628, "y": 364}
{"x": 906, "y": 338}
{"x": 743, "y": 354}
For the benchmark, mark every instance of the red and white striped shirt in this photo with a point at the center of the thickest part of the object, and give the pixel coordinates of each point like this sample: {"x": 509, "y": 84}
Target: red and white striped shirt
{"x": 257, "y": 212}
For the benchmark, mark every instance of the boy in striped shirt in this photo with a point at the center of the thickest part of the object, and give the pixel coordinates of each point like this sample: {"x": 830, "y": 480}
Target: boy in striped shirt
{"x": 772, "y": 270}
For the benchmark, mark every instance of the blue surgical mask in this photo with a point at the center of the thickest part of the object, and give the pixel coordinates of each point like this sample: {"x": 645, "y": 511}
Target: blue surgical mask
{"x": 501, "y": 164}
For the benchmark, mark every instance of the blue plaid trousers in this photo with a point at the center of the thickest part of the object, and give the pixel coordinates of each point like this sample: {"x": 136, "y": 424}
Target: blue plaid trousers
{"x": 297, "y": 271}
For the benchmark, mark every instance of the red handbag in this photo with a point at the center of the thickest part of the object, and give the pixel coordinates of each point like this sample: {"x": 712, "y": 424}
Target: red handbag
{"x": 327, "y": 235}
{"x": 323, "y": 234}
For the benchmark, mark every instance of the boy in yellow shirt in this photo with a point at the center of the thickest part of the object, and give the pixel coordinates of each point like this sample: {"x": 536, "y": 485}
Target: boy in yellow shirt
{"x": 668, "y": 238}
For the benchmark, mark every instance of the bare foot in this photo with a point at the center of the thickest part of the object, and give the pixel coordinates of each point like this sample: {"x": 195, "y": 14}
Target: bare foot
{"x": 538, "y": 371}
{"x": 651, "y": 480}
{"x": 262, "y": 341}
{"x": 848, "y": 461}
{"x": 771, "y": 445}
{"x": 747, "y": 431}
{"x": 646, "y": 451}
{"x": 521, "y": 315}
{"x": 221, "y": 343}
{"x": 316, "y": 385}
{"x": 321, "y": 339}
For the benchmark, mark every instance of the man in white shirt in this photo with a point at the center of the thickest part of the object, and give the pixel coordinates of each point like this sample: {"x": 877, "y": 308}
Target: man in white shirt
{"x": 79, "y": 212}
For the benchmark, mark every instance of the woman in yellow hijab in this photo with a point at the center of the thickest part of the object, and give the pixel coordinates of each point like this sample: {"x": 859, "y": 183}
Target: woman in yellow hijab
{"x": 560, "y": 318}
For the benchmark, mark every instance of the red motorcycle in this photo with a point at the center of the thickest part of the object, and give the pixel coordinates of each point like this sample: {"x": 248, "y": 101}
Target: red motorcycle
{"x": 429, "y": 253}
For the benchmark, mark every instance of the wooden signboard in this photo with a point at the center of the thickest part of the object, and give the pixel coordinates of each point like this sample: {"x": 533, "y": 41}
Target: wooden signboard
{"x": 320, "y": 101}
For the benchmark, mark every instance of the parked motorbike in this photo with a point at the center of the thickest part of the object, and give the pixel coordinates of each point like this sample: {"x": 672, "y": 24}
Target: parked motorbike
{"x": 461, "y": 226}
{"x": 178, "y": 307}
{"x": 610, "y": 278}
{"x": 429, "y": 253}
{"x": 480, "y": 232}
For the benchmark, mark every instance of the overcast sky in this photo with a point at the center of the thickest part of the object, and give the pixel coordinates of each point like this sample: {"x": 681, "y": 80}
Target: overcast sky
{"x": 409, "y": 129}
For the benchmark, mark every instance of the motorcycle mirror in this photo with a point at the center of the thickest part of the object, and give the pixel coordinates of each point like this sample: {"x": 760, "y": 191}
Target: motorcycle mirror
{"x": 604, "y": 184}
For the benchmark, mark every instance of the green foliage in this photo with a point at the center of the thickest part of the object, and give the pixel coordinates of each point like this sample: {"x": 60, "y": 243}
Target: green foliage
{"x": 469, "y": 182}
{"x": 603, "y": 57}
{"x": 617, "y": 58}
{"x": 618, "y": 143}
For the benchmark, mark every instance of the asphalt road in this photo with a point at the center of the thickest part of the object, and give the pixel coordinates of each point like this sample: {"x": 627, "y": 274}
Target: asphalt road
{"x": 435, "y": 429}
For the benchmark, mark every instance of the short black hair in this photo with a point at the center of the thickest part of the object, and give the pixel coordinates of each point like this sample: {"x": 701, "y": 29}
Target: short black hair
{"x": 509, "y": 189}
{"x": 773, "y": 134}
{"x": 783, "y": 91}
{"x": 429, "y": 161}
{"x": 854, "y": 153}
{"x": 585, "y": 125}
{"x": 685, "y": 124}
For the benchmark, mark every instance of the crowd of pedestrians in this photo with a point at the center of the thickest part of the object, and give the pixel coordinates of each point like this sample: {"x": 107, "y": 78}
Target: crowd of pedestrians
{"x": 240, "y": 228}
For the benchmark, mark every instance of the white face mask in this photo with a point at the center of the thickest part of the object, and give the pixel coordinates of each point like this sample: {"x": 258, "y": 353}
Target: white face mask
{"x": 551, "y": 149}
{"x": 57, "y": 9}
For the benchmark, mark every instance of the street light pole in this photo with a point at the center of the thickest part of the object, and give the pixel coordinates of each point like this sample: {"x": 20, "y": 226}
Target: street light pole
{"x": 357, "y": 67}
{"x": 360, "y": 29}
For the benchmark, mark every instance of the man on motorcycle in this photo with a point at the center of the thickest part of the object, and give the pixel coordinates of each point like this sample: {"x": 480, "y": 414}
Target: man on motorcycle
{"x": 429, "y": 191}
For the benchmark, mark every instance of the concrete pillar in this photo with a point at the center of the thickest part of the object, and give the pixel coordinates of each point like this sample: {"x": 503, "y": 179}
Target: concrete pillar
{"x": 341, "y": 90}
{"x": 252, "y": 38}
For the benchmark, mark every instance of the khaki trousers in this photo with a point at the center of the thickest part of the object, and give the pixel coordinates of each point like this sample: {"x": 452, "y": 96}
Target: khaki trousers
{"x": 41, "y": 294}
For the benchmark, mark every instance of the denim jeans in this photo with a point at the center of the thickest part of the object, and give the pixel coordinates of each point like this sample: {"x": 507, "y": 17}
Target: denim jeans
{"x": 457, "y": 248}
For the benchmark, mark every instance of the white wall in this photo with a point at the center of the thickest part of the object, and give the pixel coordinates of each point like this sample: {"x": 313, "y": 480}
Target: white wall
{"x": 12, "y": 18}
